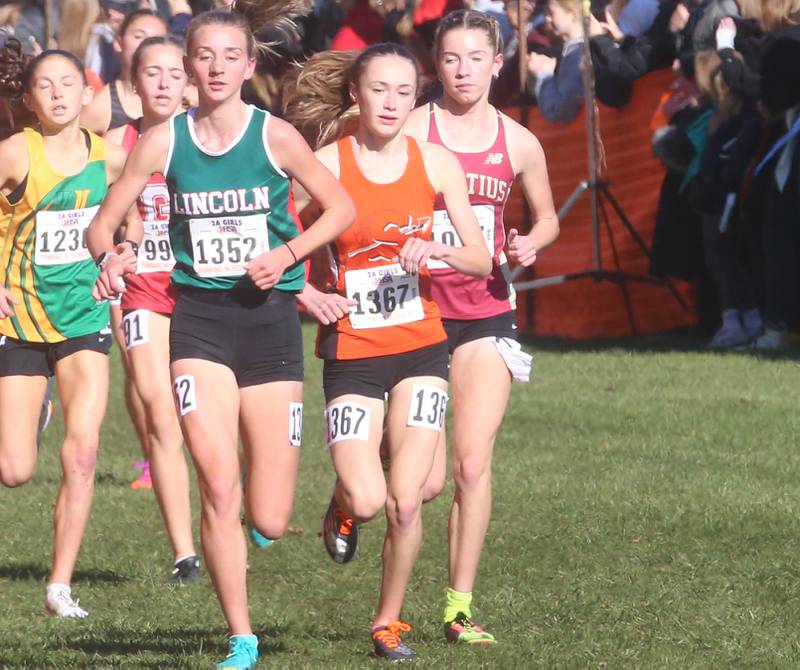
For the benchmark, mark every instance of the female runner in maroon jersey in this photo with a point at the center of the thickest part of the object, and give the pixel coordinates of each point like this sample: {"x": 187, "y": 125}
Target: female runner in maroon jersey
{"x": 479, "y": 313}
{"x": 158, "y": 75}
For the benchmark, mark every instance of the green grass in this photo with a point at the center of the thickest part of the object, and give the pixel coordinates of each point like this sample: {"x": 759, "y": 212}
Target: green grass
{"x": 646, "y": 516}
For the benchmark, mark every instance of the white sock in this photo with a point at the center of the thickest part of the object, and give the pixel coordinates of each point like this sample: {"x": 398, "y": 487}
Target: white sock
{"x": 55, "y": 587}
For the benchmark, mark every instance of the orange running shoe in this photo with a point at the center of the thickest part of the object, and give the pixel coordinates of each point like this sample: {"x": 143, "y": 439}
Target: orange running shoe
{"x": 388, "y": 644}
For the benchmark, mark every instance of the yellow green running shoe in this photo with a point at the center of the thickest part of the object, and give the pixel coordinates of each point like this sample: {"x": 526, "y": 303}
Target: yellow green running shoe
{"x": 464, "y": 630}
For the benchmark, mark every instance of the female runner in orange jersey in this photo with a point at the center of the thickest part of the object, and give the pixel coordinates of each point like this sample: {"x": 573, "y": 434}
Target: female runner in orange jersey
{"x": 381, "y": 333}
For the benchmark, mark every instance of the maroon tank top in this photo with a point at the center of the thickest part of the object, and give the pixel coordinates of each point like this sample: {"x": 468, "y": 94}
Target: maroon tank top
{"x": 489, "y": 178}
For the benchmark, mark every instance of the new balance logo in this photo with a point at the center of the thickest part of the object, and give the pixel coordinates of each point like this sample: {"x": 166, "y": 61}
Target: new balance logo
{"x": 494, "y": 159}
{"x": 2, "y": 340}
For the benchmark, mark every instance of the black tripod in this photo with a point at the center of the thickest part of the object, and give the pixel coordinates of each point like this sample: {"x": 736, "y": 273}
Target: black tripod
{"x": 600, "y": 197}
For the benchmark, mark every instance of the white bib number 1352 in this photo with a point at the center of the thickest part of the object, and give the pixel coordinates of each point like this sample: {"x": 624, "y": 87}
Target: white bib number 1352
{"x": 223, "y": 246}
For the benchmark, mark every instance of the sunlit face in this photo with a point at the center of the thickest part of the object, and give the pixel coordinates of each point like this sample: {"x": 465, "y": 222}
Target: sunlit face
{"x": 139, "y": 30}
{"x": 58, "y": 92}
{"x": 218, "y": 61}
{"x": 385, "y": 93}
{"x": 160, "y": 80}
{"x": 466, "y": 64}
{"x": 562, "y": 20}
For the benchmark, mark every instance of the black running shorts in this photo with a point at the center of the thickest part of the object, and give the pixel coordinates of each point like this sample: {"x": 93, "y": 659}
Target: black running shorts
{"x": 375, "y": 377}
{"x": 254, "y": 333}
{"x": 462, "y": 331}
{"x": 37, "y": 359}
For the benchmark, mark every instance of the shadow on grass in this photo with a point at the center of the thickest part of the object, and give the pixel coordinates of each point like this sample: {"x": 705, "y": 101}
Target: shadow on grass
{"x": 683, "y": 340}
{"x": 34, "y": 572}
{"x": 111, "y": 641}
{"x": 101, "y": 479}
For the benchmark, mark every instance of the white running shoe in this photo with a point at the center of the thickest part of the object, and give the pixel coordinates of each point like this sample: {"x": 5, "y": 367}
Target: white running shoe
{"x": 58, "y": 602}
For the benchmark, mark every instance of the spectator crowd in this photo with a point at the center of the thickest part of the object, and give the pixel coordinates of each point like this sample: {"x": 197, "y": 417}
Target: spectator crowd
{"x": 730, "y": 142}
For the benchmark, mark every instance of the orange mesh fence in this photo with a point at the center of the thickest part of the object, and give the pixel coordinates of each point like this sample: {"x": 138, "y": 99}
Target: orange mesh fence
{"x": 586, "y": 308}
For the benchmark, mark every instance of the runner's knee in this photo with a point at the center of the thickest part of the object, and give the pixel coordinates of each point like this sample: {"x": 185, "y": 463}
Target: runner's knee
{"x": 471, "y": 470}
{"x": 403, "y": 510}
{"x": 79, "y": 454}
{"x": 222, "y": 495}
{"x": 15, "y": 472}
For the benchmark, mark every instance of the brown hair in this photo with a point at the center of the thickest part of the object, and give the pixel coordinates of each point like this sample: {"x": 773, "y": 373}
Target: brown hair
{"x": 134, "y": 16}
{"x": 155, "y": 40}
{"x": 18, "y": 70}
{"x": 711, "y": 82}
{"x": 316, "y": 95}
{"x": 469, "y": 19}
{"x": 12, "y": 64}
{"x": 251, "y": 15}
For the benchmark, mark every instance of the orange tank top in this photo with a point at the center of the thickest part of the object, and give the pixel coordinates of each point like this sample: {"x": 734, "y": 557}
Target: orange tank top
{"x": 395, "y": 313}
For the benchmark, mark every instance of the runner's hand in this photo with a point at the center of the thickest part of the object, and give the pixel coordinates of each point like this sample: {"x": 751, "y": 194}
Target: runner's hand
{"x": 6, "y": 302}
{"x": 520, "y": 249}
{"x": 127, "y": 256}
{"x": 110, "y": 282}
{"x": 415, "y": 254}
{"x": 267, "y": 269}
{"x": 326, "y": 308}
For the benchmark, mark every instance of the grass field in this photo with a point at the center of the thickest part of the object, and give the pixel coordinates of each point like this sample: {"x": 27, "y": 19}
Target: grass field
{"x": 647, "y": 515}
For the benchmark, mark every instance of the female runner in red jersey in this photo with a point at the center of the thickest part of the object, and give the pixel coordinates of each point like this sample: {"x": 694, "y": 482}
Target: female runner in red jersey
{"x": 158, "y": 75}
{"x": 479, "y": 313}
{"x": 382, "y": 335}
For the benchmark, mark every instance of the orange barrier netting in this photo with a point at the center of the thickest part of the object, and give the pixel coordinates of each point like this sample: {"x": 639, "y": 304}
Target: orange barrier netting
{"x": 586, "y": 308}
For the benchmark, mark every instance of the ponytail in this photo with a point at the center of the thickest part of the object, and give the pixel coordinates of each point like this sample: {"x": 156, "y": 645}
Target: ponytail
{"x": 13, "y": 64}
{"x": 316, "y": 95}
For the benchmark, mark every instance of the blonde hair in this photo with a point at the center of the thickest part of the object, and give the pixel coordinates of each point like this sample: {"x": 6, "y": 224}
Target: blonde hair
{"x": 316, "y": 95}
{"x": 77, "y": 19}
{"x": 574, "y": 6}
{"x": 771, "y": 14}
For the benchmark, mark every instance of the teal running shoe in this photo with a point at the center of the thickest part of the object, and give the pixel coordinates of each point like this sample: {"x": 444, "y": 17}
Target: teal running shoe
{"x": 244, "y": 653}
{"x": 259, "y": 540}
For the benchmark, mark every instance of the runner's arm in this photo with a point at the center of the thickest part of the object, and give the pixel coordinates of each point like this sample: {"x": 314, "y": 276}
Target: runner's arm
{"x": 530, "y": 163}
{"x": 447, "y": 177}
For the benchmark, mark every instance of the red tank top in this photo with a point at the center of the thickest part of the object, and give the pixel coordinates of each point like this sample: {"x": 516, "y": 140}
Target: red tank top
{"x": 150, "y": 288}
{"x": 489, "y": 179}
{"x": 395, "y": 312}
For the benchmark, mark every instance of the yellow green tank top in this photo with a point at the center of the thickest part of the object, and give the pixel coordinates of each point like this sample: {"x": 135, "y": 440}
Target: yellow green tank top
{"x": 44, "y": 259}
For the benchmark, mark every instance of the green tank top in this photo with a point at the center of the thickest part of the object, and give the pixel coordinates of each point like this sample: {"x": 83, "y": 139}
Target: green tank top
{"x": 44, "y": 259}
{"x": 227, "y": 207}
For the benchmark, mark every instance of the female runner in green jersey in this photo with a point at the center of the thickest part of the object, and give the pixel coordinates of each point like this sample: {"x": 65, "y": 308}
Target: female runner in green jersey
{"x": 236, "y": 348}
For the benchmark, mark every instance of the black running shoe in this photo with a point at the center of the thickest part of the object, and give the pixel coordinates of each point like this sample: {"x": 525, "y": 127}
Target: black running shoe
{"x": 185, "y": 571}
{"x": 388, "y": 644}
{"x": 339, "y": 534}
